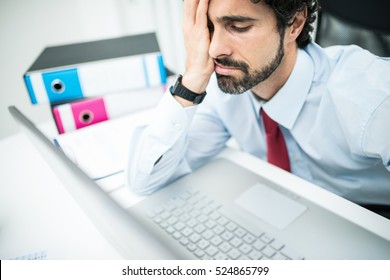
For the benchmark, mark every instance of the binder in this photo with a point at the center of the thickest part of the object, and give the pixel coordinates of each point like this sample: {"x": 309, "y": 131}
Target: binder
{"x": 79, "y": 114}
{"x": 96, "y": 68}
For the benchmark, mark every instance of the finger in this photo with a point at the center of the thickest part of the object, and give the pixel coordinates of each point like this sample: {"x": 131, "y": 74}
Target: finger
{"x": 190, "y": 7}
{"x": 201, "y": 13}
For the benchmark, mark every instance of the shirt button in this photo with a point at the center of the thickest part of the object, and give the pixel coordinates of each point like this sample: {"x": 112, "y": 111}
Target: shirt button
{"x": 177, "y": 126}
{"x": 295, "y": 158}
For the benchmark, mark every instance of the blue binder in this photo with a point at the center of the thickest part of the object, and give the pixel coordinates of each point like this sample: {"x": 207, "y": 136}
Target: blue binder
{"x": 96, "y": 68}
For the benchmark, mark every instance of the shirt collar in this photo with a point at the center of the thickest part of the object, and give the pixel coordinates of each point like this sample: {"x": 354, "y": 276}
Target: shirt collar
{"x": 286, "y": 104}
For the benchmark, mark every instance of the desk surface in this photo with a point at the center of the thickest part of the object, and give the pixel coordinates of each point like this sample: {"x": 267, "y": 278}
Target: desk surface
{"x": 37, "y": 214}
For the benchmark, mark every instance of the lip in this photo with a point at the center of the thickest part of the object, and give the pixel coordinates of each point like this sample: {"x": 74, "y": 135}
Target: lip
{"x": 224, "y": 70}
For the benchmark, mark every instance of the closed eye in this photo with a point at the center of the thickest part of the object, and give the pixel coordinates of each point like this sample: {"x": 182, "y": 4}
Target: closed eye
{"x": 240, "y": 29}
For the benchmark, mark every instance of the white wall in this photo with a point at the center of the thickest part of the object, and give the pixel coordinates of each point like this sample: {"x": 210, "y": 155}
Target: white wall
{"x": 28, "y": 26}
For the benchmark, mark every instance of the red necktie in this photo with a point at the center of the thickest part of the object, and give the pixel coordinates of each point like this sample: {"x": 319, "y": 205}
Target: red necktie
{"x": 276, "y": 146}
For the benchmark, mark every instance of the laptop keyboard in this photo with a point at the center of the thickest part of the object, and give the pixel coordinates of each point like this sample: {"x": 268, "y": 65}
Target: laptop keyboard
{"x": 194, "y": 220}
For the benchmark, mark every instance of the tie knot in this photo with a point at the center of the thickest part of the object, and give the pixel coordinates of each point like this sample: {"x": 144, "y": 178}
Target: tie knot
{"x": 269, "y": 124}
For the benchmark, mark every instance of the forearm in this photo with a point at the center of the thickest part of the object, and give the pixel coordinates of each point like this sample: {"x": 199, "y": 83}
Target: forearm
{"x": 158, "y": 149}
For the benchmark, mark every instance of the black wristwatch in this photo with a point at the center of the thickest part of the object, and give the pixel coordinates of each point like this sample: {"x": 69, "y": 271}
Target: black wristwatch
{"x": 180, "y": 90}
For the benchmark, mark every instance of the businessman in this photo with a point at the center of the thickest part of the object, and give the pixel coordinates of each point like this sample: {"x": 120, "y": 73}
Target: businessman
{"x": 253, "y": 74}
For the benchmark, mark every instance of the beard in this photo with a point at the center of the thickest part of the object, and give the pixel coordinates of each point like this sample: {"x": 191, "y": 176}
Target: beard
{"x": 236, "y": 85}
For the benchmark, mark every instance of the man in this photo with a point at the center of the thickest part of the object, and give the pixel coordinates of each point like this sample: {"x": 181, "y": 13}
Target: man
{"x": 332, "y": 105}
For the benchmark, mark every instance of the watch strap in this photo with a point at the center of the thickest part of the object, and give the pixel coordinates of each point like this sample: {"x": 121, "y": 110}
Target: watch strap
{"x": 180, "y": 90}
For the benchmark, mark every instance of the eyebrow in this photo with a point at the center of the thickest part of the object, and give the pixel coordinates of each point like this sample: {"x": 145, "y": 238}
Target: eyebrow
{"x": 228, "y": 19}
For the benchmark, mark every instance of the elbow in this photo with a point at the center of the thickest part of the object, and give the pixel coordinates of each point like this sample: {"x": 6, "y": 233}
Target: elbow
{"x": 141, "y": 184}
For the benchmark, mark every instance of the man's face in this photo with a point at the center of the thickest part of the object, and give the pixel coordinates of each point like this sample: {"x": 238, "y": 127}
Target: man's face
{"x": 245, "y": 43}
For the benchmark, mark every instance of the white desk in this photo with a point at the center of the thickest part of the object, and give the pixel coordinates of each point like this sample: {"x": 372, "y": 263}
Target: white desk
{"x": 37, "y": 214}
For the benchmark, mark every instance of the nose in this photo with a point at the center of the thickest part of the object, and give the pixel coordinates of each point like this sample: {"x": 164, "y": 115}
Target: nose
{"x": 219, "y": 44}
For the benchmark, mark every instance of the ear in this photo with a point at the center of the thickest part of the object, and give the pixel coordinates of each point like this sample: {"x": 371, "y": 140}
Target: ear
{"x": 297, "y": 24}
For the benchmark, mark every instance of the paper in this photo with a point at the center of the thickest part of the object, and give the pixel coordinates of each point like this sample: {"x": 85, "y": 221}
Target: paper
{"x": 101, "y": 150}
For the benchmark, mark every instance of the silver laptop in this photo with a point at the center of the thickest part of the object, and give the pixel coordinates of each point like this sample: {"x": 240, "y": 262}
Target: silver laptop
{"x": 220, "y": 211}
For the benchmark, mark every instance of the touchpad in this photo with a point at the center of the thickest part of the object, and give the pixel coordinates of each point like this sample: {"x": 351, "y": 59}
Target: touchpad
{"x": 271, "y": 206}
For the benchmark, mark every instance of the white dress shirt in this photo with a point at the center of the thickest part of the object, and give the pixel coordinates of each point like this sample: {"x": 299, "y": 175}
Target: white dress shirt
{"x": 334, "y": 111}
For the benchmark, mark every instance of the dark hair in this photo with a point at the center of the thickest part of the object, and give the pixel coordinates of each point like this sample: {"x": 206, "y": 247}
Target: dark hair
{"x": 285, "y": 11}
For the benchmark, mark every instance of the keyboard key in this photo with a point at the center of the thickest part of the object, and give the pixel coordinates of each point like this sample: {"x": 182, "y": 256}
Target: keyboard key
{"x": 268, "y": 252}
{"x": 200, "y": 228}
{"x": 291, "y": 254}
{"x": 177, "y": 201}
{"x": 194, "y": 237}
{"x": 215, "y": 205}
{"x": 200, "y": 204}
{"x": 172, "y": 220}
{"x": 207, "y": 234}
{"x": 203, "y": 244}
{"x": 192, "y": 191}
{"x": 164, "y": 224}
{"x": 266, "y": 238}
{"x": 279, "y": 256}
{"x": 259, "y": 245}
{"x": 191, "y": 247}
{"x": 202, "y": 218}
{"x": 210, "y": 224}
{"x": 227, "y": 235}
{"x": 184, "y": 241}
{"x": 179, "y": 226}
{"x": 277, "y": 245}
{"x": 184, "y": 195}
{"x": 157, "y": 219}
{"x": 219, "y": 229}
{"x": 176, "y": 235}
{"x": 234, "y": 254}
{"x": 236, "y": 241}
{"x": 170, "y": 229}
{"x": 221, "y": 256}
{"x": 169, "y": 206}
{"x": 177, "y": 212}
{"x": 187, "y": 231}
{"x": 215, "y": 215}
{"x": 158, "y": 209}
{"x": 211, "y": 251}
{"x": 216, "y": 240}
{"x": 255, "y": 255}
{"x": 187, "y": 208}
{"x": 151, "y": 214}
{"x": 231, "y": 226}
{"x": 225, "y": 247}
{"x": 193, "y": 200}
{"x": 192, "y": 223}
{"x": 165, "y": 215}
{"x": 207, "y": 210}
{"x": 195, "y": 213}
{"x": 222, "y": 221}
{"x": 245, "y": 248}
{"x": 239, "y": 232}
{"x": 199, "y": 253}
{"x": 184, "y": 217}
{"x": 249, "y": 238}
